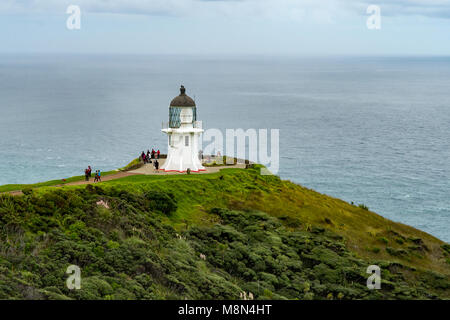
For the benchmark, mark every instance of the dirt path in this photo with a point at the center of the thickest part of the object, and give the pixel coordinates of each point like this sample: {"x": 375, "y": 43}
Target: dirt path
{"x": 108, "y": 177}
{"x": 146, "y": 169}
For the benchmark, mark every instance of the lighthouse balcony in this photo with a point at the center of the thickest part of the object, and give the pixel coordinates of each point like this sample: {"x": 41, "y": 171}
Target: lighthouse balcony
{"x": 169, "y": 127}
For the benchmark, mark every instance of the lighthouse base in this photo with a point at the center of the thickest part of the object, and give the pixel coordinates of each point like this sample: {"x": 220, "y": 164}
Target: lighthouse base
{"x": 183, "y": 153}
{"x": 181, "y": 163}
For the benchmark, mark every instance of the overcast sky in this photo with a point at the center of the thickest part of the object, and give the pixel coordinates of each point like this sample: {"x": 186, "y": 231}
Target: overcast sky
{"x": 287, "y": 27}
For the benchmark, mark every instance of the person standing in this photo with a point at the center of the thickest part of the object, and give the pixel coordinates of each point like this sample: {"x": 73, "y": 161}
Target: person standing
{"x": 86, "y": 174}
{"x": 153, "y": 153}
{"x": 99, "y": 176}
{"x": 157, "y": 153}
{"x": 156, "y": 165}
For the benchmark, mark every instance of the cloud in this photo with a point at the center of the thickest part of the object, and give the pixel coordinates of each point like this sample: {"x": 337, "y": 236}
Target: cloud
{"x": 276, "y": 9}
{"x": 428, "y": 8}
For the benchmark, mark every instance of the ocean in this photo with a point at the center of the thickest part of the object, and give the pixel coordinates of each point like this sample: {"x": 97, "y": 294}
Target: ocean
{"x": 372, "y": 130}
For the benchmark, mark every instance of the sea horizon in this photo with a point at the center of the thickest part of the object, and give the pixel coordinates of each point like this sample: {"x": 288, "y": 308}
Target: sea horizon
{"x": 371, "y": 130}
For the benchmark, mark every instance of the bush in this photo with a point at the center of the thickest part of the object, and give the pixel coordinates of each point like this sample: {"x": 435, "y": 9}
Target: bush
{"x": 396, "y": 252}
{"x": 375, "y": 250}
{"x": 129, "y": 252}
{"x": 27, "y": 191}
{"x": 161, "y": 201}
{"x": 363, "y": 206}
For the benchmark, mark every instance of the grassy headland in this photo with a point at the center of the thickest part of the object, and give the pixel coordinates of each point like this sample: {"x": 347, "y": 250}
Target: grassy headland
{"x": 258, "y": 233}
{"x": 59, "y": 182}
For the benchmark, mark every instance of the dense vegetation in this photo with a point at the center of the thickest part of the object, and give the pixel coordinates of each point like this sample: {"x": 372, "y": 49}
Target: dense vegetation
{"x": 209, "y": 237}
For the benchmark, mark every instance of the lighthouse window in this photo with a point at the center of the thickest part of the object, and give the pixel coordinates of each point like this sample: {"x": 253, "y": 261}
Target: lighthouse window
{"x": 174, "y": 117}
{"x": 170, "y": 140}
{"x": 186, "y": 141}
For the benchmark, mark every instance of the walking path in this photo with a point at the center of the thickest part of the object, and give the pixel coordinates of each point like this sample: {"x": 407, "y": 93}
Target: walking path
{"x": 146, "y": 169}
{"x": 108, "y": 177}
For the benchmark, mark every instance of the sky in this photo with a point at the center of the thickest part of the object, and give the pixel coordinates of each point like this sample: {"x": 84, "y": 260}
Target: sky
{"x": 226, "y": 27}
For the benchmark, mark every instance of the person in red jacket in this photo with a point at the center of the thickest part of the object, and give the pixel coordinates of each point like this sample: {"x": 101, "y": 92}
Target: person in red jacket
{"x": 157, "y": 153}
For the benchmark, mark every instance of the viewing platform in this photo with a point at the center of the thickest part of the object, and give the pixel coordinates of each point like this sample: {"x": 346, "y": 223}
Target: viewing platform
{"x": 210, "y": 163}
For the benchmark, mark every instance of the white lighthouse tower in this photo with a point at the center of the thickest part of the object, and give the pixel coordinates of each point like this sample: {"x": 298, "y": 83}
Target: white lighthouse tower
{"x": 183, "y": 131}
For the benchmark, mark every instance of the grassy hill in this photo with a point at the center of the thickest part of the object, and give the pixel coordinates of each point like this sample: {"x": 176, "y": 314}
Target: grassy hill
{"x": 142, "y": 237}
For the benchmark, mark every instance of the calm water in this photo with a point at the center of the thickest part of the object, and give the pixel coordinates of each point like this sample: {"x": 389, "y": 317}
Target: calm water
{"x": 369, "y": 130}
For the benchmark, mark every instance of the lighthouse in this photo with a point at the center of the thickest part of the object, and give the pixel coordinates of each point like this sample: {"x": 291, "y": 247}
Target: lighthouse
{"x": 183, "y": 131}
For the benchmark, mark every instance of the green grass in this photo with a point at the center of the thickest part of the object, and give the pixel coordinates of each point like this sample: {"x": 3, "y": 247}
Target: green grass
{"x": 306, "y": 219}
{"x": 63, "y": 181}
{"x": 18, "y": 187}
{"x": 243, "y": 189}
{"x": 135, "y": 163}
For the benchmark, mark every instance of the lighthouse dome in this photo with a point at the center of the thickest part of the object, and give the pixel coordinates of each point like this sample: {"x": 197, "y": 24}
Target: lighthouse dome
{"x": 182, "y": 100}
{"x": 182, "y": 110}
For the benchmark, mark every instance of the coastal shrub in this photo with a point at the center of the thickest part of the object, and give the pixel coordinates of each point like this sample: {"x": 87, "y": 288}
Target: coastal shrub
{"x": 27, "y": 191}
{"x": 363, "y": 206}
{"x": 308, "y": 296}
{"x": 436, "y": 280}
{"x": 161, "y": 201}
{"x": 396, "y": 252}
{"x": 290, "y": 221}
{"x": 131, "y": 251}
{"x": 415, "y": 240}
{"x": 446, "y": 248}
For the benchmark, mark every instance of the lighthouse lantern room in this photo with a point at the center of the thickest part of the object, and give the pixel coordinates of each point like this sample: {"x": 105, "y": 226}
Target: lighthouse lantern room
{"x": 183, "y": 131}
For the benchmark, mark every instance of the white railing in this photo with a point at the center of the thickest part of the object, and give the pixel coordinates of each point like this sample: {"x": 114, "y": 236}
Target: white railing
{"x": 196, "y": 124}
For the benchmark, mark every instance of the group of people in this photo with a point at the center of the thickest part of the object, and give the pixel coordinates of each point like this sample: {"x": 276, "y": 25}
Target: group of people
{"x": 147, "y": 157}
{"x": 88, "y": 174}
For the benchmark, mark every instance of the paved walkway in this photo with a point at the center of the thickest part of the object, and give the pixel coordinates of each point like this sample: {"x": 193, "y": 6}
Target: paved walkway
{"x": 149, "y": 169}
